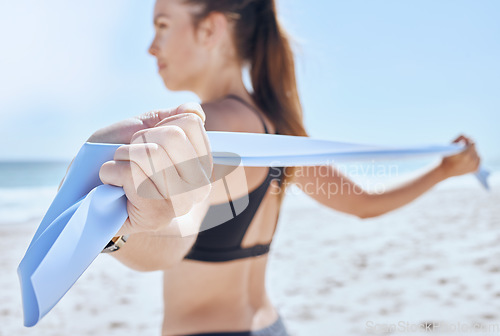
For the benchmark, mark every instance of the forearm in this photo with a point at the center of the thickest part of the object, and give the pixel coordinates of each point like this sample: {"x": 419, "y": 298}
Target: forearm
{"x": 148, "y": 252}
{"x": 153, "y": 251}
{"x": 378, "y": 204}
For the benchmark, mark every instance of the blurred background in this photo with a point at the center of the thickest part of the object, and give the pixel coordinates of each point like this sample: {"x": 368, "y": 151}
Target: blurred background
{"x": 382, "y": 72}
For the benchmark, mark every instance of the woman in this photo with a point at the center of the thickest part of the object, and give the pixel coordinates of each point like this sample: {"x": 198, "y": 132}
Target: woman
{"x": 214, "y": 282}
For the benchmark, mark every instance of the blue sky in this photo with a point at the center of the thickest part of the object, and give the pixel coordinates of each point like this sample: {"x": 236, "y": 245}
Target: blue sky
{"x": 386, "y": 72}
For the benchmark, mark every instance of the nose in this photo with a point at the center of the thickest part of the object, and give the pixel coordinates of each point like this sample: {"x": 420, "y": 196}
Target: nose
{"x": 152, "y": 49}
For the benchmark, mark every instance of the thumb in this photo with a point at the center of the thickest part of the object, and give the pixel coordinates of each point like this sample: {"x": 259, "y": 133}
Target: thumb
{"x": 461, "y": 137}
{"x": 184, "y": 108}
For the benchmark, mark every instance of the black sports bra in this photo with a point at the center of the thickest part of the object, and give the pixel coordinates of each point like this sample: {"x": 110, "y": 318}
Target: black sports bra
{"x": 222, "y": 242}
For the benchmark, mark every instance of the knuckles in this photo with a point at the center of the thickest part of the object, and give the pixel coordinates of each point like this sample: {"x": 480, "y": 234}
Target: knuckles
{"x": 192, "y": 118}
{"x": 173, "y": 133}
{"x": 164, "y": 132}
{"x": 137, "y": 136}
{"x": 194, "y": 109}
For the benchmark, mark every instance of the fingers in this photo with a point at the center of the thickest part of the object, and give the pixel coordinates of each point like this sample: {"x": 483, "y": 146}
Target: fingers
{"x": 466, "y": 140}
{"x": 471, "y": 148}
{"x": 151, "y": 162}
{"x": 471, "y": 157}
{"x": 120, "y": 174}
{"x": 168, "y": 159}
{"x": 191, "y": 118}
{"x": 189, "y": 162}
{"x": 469, "y": 152}
{"x": 153, "y": 118}
{"x": 193, "y": 108}
{"x": 191, "y": 125}
{"x": 161, "y": 163}
{"x": 474, "y": 156}
{"x": 477, "y": 163}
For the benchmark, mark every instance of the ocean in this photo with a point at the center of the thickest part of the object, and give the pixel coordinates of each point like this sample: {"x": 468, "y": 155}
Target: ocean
{"x": 28, "y": 188}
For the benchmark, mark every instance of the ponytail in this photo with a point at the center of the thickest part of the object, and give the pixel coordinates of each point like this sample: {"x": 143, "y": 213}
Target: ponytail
{"x": 273, "y": 79}
{"x": 261, "y": 40}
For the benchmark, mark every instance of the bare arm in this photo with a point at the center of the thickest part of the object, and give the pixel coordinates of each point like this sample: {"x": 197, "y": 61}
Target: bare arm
{"x": 379, "y": 204}
{"x": 160, "y": 250}
{"x": 340, "y": 193}
{"x": 331, "y": 188}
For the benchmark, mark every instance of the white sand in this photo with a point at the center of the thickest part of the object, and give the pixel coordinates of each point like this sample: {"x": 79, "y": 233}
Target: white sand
{"x": 435, "y": 260}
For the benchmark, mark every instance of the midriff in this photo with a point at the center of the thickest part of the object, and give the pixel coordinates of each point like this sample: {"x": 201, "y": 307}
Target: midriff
{"x": 211, "y": 297}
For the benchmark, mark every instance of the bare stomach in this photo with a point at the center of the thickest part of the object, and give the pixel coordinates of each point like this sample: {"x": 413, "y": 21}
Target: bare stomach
{"x": 216, "y": 297}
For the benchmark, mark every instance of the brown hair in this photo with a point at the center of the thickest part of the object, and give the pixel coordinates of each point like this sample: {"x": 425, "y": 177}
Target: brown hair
{"x": 261, "y": 40}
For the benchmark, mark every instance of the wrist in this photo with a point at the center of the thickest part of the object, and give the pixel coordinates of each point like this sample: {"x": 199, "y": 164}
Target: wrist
{"x": 443, "y": 171}
{"x": 159, "y": 230}
{"x": 115, "y": 244}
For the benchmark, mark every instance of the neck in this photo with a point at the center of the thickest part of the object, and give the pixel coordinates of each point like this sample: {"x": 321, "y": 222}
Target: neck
{"x": 220, "y": 82}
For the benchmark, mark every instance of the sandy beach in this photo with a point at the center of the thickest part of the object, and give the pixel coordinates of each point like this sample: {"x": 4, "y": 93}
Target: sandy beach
{"x": 434, "y": 263}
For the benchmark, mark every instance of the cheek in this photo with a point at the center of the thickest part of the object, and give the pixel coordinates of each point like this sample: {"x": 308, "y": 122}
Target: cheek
{"x": 184, "y": 60}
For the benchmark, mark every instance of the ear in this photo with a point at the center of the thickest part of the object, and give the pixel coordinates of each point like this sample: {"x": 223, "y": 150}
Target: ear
{"x": 212, "y": 29}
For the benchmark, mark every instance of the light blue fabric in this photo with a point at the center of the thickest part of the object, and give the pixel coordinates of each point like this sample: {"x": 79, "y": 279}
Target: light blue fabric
{"x": 86, "y": 214}
{"x": 79, "y": 223}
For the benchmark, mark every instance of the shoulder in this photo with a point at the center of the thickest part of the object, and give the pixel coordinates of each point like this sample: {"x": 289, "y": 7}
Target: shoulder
{"x": 229, "y": 115}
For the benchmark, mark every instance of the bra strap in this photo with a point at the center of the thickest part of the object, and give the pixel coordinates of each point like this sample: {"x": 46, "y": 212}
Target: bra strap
{"x": 241, "y": 100}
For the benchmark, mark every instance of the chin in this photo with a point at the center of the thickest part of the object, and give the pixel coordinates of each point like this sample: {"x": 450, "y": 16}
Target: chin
{"x": 173, "y": 86}
{"x": 169, "y": 85}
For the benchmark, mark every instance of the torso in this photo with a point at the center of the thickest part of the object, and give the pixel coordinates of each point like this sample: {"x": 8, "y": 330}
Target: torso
{"x": 225, "y": 296}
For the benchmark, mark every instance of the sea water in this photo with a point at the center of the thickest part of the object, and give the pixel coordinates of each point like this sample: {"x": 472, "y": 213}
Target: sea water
{"x": 27, "y": 189}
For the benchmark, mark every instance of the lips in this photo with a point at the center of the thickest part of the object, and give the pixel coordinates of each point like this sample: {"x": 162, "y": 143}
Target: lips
{"x": 161, "y": 65}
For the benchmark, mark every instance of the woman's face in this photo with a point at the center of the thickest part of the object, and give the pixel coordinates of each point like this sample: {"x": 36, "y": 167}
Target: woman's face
{"x": 181, "y": 57}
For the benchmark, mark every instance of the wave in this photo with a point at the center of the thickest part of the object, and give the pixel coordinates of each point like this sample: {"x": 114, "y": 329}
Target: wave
{"x": 24, "y": 204}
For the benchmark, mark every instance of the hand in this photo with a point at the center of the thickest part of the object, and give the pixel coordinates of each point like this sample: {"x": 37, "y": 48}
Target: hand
{"x": 122, "y": 131}
{"x": 164, "y": 171}
{"x": 464, "y": 162}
